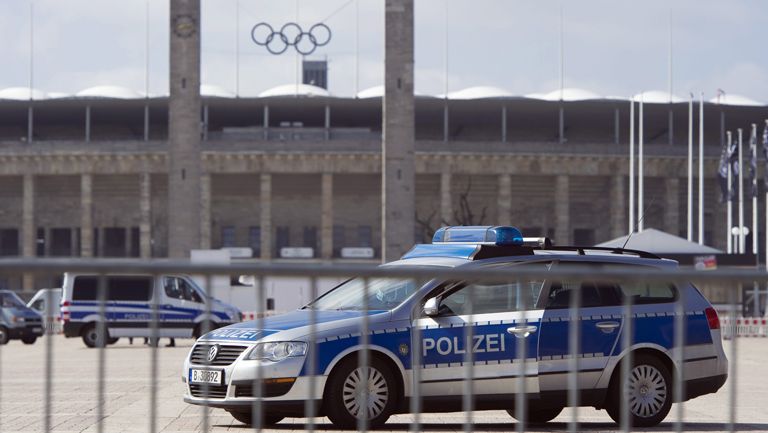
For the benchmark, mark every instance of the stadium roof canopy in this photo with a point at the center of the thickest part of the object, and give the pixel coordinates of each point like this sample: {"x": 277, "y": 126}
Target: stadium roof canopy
{"x": 479, "y": 92}
{"x": 113, "y": 92}
{"x": 739, "y": 100}
{"x": 22, "y": 94}
{"x": 295, "y": 90}
{"x": 659, "y": 242}
{"x": 657, "y": 97}
{"x": 214, "y": 91}
{"x": 566, "y": 94}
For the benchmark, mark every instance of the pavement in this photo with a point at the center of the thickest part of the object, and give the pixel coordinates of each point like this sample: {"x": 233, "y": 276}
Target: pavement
{"x": 127, "y": 396}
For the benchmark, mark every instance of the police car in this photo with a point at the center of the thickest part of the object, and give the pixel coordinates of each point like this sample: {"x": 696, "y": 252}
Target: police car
{"x": 521, "y": 318}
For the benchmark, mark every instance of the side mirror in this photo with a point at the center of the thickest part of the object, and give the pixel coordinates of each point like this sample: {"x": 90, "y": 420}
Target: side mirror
{"x": 431, "y": 307}
{"x": 247, "y": 280}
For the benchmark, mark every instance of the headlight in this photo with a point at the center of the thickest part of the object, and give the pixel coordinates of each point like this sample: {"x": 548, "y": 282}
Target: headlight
{"x": 17, "y": 319}
{"x": 279, "y": 350}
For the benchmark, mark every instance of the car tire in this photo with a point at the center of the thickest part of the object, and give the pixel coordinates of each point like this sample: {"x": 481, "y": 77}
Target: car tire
{"x": 344, "y": 382}
{"x": 649, "y": 393}
{"x": 535, "y": 415}
{"x": 113, "y": 340}
{"x": 4, "y": 337}
{"x": 247, "y": 418}
{"x": 29, "y": 339}
{"x": 90, "y": 335}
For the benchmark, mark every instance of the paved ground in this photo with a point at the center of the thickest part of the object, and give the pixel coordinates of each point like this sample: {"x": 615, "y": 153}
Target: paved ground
{"x": 22, "y": 392}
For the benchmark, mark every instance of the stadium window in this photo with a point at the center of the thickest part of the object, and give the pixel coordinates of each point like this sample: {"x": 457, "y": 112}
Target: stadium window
{"x": 270, "y": 304}
{"x": 9, "y": 242}
{"x": 228, "y": 236}
{"x": 584, "y": 237}
{"x": 115, "y": 241}
{"x": 338, "y": 239}
{"x": 282, "y": 238}
{"x": 40, "y": 242}
{"x": 310, "y": 237}
{"x": 61, "y": 242}
{"x": 135, "y": 242}
{"x": 364, "y": 236}
{"x": 254, "y": 240}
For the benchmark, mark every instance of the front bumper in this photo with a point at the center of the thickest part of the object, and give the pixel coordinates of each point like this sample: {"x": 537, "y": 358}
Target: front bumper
{"x": 30, "y": 330}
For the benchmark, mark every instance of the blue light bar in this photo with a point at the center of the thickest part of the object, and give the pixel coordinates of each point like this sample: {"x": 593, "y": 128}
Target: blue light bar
{"x": 495, "y": 235}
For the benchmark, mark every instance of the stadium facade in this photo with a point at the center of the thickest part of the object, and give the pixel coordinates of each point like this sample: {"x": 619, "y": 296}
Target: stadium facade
{"x": 86, "y": 175}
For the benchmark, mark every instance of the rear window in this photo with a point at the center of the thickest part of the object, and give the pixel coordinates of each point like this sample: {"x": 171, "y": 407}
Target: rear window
{"x": 119, "y": 288}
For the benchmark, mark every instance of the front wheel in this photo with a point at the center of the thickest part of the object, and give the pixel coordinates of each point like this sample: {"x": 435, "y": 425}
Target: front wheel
{"x": 356, "y": 393}
{"x": 29, "y": 339}
{"x": 4, "y": 335}
{"x": 535, "y": 415}
{"x": 648, "y": 392}
{"x": 247, "y": 418}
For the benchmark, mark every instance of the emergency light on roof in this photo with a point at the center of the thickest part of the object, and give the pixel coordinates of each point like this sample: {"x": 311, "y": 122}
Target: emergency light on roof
{"x": 493, "y": 235}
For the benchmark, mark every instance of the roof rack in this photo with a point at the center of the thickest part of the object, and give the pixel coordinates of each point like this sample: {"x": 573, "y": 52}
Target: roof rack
{"x": 581, "y": 251}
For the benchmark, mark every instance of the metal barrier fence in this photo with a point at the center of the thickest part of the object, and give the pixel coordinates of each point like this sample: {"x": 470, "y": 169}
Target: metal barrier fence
{"x": 410, "y": 393}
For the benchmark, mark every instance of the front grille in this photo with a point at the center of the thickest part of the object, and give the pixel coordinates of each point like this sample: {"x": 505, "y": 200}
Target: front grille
{"x": 208, "y": 391}
{"x": 227, "y": 354}
{"x": 270, "y": 388}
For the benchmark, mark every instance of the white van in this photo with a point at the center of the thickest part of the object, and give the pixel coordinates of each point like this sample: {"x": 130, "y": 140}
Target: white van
{"x": 128, "y": 307}
{"x": 51, "y": 314}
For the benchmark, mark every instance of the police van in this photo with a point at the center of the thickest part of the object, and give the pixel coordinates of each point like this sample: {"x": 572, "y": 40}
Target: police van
{"x": 128, "y": 304}
{"x": 524, "y": 318}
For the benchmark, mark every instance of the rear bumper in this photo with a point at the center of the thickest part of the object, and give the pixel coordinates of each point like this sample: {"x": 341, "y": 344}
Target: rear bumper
{"x": 705, "y": 385}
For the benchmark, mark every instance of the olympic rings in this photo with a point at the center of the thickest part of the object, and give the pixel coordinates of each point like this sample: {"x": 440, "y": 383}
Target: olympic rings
{"x": 291, "y": 35}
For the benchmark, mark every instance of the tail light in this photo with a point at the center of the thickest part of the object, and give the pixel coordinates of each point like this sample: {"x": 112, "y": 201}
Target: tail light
{"x": 712, "y": 319}
{"x": 65, "y": 311}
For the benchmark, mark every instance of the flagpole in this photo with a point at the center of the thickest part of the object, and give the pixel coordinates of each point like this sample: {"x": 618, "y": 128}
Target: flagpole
{"x": 357, "y": 47}
{"x": 690, "y": 169}
{"x": 237, "y": 48}
{"x": 742, "y": 238}
{"x": 753, "y": 147}
{"x": 729, "y": 203}
{"x": 632, "y": 165}
{"x": 701, "y": 169}
{"x": 640, "y": 172}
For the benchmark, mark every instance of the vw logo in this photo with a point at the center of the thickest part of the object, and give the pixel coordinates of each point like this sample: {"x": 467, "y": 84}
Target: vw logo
{"x": 212, "y": 352}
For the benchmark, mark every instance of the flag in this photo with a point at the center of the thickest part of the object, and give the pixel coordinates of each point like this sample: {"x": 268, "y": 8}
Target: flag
{"x": 729, "y": 156}
{"x": 753, "y": 163}
{"x": 765, "y": 154}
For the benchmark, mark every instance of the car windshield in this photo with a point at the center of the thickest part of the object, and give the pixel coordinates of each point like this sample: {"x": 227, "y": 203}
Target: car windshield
{"x": 383, "y": 294}
{"x": 10, "y": 300}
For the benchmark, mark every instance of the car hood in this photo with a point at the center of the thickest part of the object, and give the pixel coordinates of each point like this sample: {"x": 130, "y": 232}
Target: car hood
{"x": 26, "y": 313}
{"x": 247, "y": 331}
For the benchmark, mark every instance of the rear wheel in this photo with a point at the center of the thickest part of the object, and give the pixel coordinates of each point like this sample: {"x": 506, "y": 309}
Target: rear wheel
{"x": 3, "y": 335}
{"x": 534, "y": 415}
{"x": 91, "y": 336}
{"x": 346, "y": 402}
{"x": 648, "y": 392}
{"x": 247, "y": 418}
{"x": 113, "y": 340}
{"x": 29, "y": 339}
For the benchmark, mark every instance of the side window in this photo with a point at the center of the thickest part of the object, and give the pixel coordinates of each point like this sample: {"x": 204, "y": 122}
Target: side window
{"x": 38, "y": 305}
{"x": 491, "y": 298}
{"x": 172, "y": 289}
{"x": 648, "y": 293}
{"x": 129, "y": 288}
{"x": 593, "y": 294}
{"x": 85, "y": 288}
{"x": 189, "y": 292}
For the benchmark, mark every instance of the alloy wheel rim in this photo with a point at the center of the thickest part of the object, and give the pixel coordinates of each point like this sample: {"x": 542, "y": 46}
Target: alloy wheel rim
{"x": 646, "y": 391}
{"x": 365, "y": 393}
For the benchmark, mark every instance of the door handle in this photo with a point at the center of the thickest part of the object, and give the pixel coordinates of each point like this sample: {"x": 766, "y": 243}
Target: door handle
{"x": 522, "y": 331}
{"x": 607, "y": 327}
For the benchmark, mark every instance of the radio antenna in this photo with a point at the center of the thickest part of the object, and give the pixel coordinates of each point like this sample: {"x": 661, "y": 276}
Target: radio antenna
{"x": 638, "y": 222}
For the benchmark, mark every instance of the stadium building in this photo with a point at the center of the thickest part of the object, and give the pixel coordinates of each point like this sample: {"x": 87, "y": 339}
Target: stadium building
{"x": 295, "y": 173}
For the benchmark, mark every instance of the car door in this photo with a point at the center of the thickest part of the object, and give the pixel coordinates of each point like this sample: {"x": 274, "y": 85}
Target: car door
{"x": 599, "y": 326}
{"x": 504, "y": 325}
{"x": 178, "y": 318}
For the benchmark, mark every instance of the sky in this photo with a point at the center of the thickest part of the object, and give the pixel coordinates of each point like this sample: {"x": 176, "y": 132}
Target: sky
{"x": 611, "y": 47}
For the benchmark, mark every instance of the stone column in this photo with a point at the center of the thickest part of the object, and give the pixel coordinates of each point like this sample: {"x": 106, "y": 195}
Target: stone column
{"x": 86, "y": 215}
{"x": 618, "y": 207}
{"x": 398, "y": 166}
{"x": 326, "y": 217}
{"x": 446, "y": 206}
{"x": 504, "y": 199}
{"x": 562, "y": 211}
{"x": 145, "y": 216}
{"x": 28, "y": 230}
{"x": 265, "y": 206}
{"x": 205, "y": 211}
{"x": 672, "y": 206}
{"x": 184, "y": 129}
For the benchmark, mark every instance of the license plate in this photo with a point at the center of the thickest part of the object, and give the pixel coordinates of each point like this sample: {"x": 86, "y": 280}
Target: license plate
{"x": 37, "y": 329}
{"x": 215, "y": 377}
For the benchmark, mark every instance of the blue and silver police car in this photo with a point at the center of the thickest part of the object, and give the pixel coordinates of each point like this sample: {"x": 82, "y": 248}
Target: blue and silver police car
{"x": 511, "y": 321}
